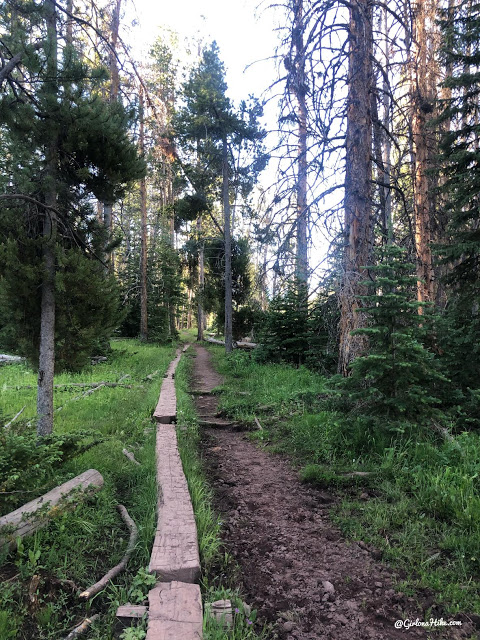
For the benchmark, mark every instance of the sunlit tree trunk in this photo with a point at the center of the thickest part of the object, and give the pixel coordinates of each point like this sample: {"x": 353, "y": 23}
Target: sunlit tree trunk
{"x": 358, "y": 228}
{"x": 423, "y": 97}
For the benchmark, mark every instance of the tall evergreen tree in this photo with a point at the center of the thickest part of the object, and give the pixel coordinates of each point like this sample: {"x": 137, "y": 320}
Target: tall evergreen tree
{"x": 63, "y": 144}
{"x": 397, "y": 378}
{"x": 208, "y": 128}
{"x": 460, "y": 173}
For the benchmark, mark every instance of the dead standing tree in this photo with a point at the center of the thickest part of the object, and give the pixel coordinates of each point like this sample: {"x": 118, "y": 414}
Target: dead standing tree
{"x": 424, "y": 78}
{"x": 358, "y": 224}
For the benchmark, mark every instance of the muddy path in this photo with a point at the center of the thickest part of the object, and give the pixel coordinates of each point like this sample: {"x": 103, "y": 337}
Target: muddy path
{"x": 296, "y": 568}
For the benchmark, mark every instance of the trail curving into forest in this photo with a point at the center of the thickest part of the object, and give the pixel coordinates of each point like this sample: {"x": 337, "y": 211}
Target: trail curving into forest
{"x": 296, "y": 568}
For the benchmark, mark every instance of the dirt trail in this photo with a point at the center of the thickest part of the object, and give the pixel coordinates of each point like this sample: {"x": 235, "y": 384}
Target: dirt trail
{"x": 296, "y": 568}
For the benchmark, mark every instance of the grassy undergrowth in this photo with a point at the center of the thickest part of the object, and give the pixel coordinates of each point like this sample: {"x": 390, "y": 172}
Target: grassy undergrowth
{"x": 217, "y": 580}
{"x": 79, "y": 546}
{"x": 419, "y": 500}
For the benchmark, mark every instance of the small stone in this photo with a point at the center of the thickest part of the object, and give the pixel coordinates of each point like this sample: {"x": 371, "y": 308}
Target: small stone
{"x": 288, "y": 626}
{"x": 364, "y": 496}
{"x": 328, "y": 587}
{"x": 342, "y": 619}
{"x": 379, "y": 584}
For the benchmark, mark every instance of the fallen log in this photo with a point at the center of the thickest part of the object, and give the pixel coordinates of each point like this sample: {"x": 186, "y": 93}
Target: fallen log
{"x": 82, "y": 628}
{"x": 236, "y": 345}
{"x": 446, "y": 435}
{"x": 35, "y": 514}
{"x": 246, "y": 345}
{"x": 130, "y": 456}
{"x": 15, "y": 417}
{"x": 151, "y": 376}
{"x": 102, "y": 583}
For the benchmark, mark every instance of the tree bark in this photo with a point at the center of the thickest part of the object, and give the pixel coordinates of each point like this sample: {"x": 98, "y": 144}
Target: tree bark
{"x": 143, "y": 240}
{"x": 228, "y": 249}
{"x": 35, "y": 514}
{"x": 423, "y": 97}
{"x": 387, "y": 146}
{"x": 112, "y": 63}
{"x": 46, "y": 361}
{"x": 201, "y": 280}
{"x": 299, "y": 90}
{"x": 358, "y": 227}
{"x": 113, "y": 95}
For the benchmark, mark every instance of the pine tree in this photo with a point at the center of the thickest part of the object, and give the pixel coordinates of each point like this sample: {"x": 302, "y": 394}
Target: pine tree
{"x": 208, "y": 129}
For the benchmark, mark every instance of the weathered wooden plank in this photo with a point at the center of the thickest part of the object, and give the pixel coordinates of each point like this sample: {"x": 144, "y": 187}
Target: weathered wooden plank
{"x": 175, "y": 612}
{"x": 175, "y": 554}
{"x": 128, "y": 613}
{"x": 131, "y": 611}
{"x": 35, "y": 514}
{"x": 166, "y": 409}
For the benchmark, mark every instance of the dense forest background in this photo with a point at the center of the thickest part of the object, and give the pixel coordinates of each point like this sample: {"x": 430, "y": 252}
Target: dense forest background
{"x": 131, "y": 201}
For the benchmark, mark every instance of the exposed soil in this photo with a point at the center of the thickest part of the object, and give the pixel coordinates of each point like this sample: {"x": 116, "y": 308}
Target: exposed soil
{"x": 296, "y": 568}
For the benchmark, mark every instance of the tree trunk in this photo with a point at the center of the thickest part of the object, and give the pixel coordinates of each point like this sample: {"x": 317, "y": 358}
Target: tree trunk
{"x": 423, "y": 96}
{"x": 387, "y": 145}
{"x": 113, "y": 65}
{"x": 358, "y": 229}
{"x": 228, "y": 249}
{"x": 299, "y": 89}
{"x": 113, "y": 95}
{"x": 143, "y": 240}
{"x": 201, "y": 280}
{"x": 46, "y": 361}
{"x": 69, "y": 23}
{"x": 381, "y": 138}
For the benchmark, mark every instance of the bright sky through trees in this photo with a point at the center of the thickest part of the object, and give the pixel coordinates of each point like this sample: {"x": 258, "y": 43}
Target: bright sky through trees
{"x": 244, "y": 34}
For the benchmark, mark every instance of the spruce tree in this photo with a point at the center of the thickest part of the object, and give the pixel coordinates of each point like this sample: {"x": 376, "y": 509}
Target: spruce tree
{"x": 460, "y": 143}
{"x": 460, "y": 179}
{"x": 397, "y": 378}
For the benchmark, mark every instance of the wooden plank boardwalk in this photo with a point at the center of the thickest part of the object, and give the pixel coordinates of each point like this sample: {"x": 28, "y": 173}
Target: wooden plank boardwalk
{"x": 175, "y": 604}
{"x": 175, "y": 554}
{"x": 175, "y": 612}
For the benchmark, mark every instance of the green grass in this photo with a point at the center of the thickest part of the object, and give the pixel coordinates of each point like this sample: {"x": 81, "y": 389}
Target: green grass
{"x": 81, "y": 545}
{"x": 423, "y": 506}
{"x": 218, "y": 572}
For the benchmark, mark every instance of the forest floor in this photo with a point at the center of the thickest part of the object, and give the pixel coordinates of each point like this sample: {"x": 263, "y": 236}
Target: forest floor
{"x": 295, "y": 566}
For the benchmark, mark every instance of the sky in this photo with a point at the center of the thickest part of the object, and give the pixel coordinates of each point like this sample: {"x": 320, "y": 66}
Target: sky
{"x": 247, "y": 37}
{"x": 243, "y": 33}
